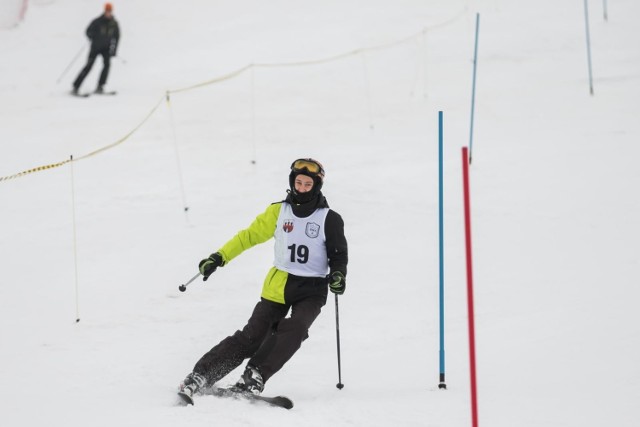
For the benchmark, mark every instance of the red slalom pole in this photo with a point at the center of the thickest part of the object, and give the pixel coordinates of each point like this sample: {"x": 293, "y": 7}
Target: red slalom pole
{"x": 472, "y": 337}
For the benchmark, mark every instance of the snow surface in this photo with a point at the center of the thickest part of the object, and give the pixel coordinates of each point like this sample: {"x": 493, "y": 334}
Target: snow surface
{"x": 554, "y": 203}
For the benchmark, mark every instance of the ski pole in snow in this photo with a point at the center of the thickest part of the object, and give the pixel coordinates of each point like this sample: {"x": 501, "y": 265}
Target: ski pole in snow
{"x": 75, "y": 240}
{"x": 473, "y": 90}
{"x": 71, "y": 63}
{"x": 184, "y": 287}
{"x": 586, "y": 23}
{"x": 442, "y": 384}
{"x": 339, "y": 385}
{"x": 470, "y": 309}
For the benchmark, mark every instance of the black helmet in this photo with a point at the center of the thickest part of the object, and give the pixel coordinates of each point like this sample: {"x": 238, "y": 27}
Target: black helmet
{"x": 311, "y": 168}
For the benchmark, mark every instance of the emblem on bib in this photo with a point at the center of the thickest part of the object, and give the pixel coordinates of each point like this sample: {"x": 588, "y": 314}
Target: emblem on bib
{"x": 287, "y": 226}
{"x": 312, "y": 230}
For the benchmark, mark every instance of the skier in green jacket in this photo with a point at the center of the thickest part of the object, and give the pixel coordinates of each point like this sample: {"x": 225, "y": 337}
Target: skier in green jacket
{"x": 310, "y": 256}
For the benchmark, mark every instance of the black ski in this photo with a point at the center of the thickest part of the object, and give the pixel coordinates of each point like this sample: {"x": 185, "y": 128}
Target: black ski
{"x": 280, "y": 401}
{"x": 111, "y": 92}
{"x": 232, "y": 392}
{"x": 88, "y": 94}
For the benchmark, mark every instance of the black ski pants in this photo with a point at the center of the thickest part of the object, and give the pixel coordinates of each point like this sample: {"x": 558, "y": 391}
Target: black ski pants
{"x": 106, "y": 63}
{"x": 269, "y": 339}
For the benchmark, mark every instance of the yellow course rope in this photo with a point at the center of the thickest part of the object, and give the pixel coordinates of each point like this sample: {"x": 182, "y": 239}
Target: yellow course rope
{"x": 55, "y": 165}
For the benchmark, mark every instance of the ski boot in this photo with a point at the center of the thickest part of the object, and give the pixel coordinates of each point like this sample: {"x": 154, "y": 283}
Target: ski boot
{"x": 192, "y": 384}
{"x": 251, "y": 381}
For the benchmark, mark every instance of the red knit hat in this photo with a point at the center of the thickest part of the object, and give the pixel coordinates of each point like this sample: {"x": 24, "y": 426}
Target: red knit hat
{"x": 108, "y": 7}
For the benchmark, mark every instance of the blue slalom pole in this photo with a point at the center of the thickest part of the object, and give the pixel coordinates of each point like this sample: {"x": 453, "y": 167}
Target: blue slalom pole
{"x": 473, "y": 89}
{"x": 442, "y": 384}
{"x": 586, "y": 21}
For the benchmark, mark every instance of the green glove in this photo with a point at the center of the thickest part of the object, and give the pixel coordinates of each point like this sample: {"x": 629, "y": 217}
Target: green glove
{"x": 337, "y": 282}
{"x": 208, "y": 265}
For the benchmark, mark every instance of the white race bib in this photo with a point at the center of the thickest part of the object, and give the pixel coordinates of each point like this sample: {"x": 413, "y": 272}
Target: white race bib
{"x": 300, "y": 247}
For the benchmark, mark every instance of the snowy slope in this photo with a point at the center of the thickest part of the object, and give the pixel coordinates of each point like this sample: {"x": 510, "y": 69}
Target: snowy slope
{"x": 554, "y": 204}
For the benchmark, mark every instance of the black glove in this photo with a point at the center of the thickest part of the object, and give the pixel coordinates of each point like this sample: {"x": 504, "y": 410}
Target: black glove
{"x": 208, "y": 265}
{"x": 337, "y": 282}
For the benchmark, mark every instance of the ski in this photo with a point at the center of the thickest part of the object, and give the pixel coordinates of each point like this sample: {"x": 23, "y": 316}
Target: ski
{"x": 186, "y": 398}
{"x": 111, "y": 92}
{"x": 232, "y": 392}
{"x": 279, "y": 401}
{"x": 88, "y": 94}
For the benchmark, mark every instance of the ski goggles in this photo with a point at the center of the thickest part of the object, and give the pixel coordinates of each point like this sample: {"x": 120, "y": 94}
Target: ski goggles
{"x": 309, "y": 166}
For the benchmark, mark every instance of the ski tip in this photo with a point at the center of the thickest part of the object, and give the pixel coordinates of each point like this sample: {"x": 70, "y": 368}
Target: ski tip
{"x": 233, "y": 392}
{"x": 185, "y": 399}
{"x": 286, "y": 403}
{"x": 280, "y": 401}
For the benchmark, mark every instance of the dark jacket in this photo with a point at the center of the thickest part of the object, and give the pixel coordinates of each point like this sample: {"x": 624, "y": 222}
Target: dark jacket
{"x": 104, "y": 34}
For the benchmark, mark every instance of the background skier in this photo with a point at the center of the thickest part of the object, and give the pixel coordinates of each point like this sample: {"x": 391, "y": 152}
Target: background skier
{"x": 309, "y": 243}
{"x": 104, "y": 34}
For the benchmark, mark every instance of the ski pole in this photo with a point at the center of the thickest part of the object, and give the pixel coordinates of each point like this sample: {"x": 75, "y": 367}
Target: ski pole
{"x": 71, "y": 63}
{"x": 339, "y": 385}
{"x": 184, "y": 287}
